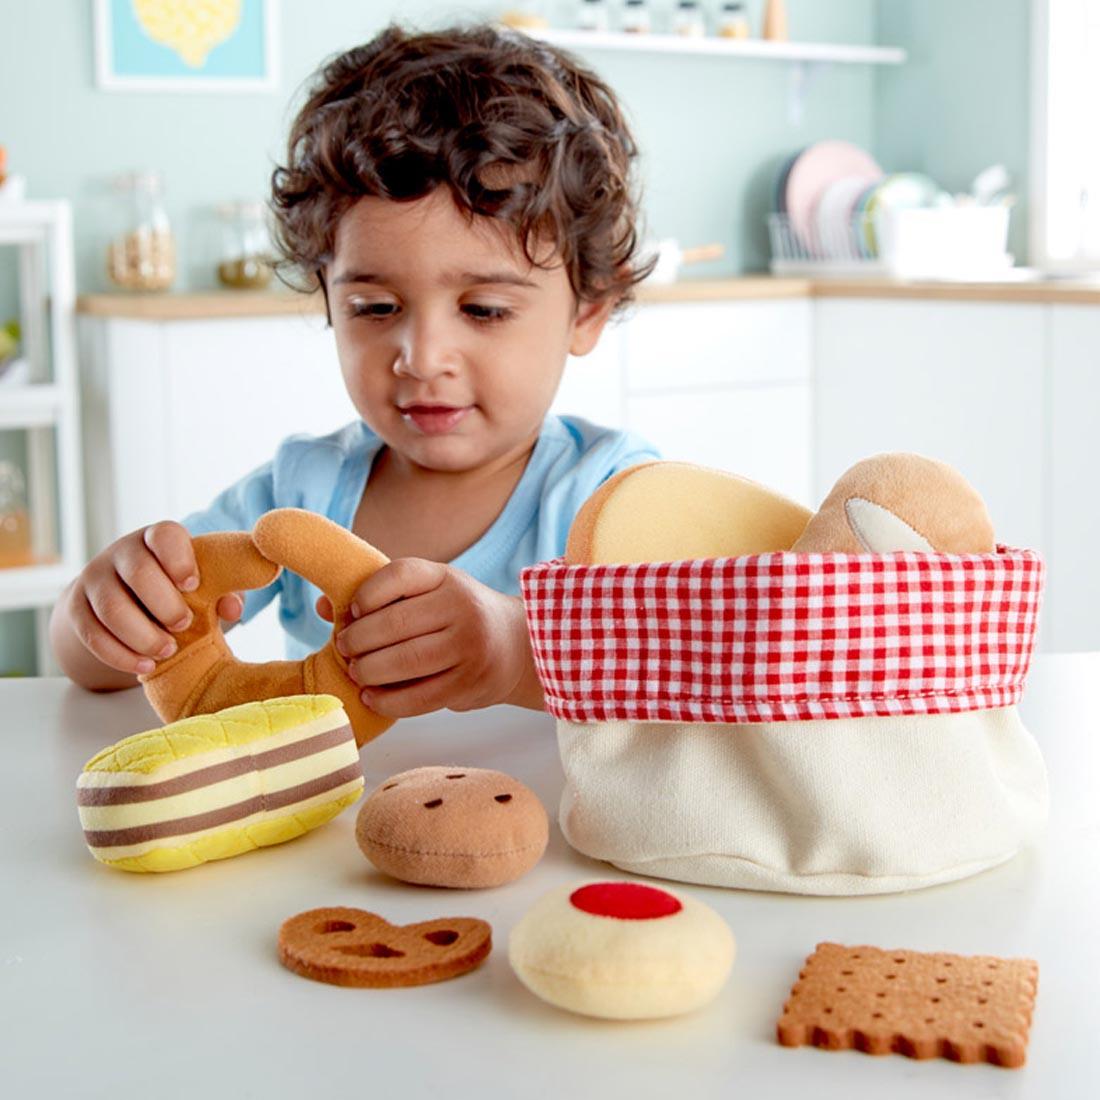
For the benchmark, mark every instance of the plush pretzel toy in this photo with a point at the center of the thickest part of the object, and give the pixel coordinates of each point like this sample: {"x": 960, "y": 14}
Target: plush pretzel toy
{"x": 204, "y": 676}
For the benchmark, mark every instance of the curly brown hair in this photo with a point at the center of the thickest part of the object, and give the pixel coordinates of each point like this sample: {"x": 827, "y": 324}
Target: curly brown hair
{"x": 518, "y": 130}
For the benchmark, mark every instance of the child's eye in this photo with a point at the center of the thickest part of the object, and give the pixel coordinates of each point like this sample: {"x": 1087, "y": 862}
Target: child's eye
{"x": 486, "y": 314}
{"x": 374, "y": 311}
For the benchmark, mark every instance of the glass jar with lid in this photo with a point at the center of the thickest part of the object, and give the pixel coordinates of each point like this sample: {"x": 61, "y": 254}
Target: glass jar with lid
{"x": 635, "y": 17}
{"x": 141, "y": 254}
{"x": 15, "y": 530}
{"x": 732, "y": 20}
{"x": 688, "y": 20}
{"x": 593, "y": 15}
{"x": 244, "y": 260}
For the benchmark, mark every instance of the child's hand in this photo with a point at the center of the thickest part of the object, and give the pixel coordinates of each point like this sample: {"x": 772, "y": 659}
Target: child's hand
{"x": 125, "y": 604}
{"x": 428, "y": 636}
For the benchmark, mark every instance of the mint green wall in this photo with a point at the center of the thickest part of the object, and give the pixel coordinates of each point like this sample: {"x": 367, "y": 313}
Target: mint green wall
{"x": 711, "y": 131}
{"x": 963, "y": 100}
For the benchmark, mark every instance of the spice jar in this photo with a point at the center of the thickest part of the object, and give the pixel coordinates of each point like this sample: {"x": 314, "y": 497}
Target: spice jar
{"x": 688, "y": 20}
{"x": 732, "y": 21}
{"x": 593, "y": 15}
{"x": 244, "y": 251}
{"x": 142, "y": 251}
{"x": 636, "y": 17}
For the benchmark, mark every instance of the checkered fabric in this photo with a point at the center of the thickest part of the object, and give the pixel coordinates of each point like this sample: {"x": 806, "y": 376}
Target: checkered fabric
{"x": 785, "y": 636}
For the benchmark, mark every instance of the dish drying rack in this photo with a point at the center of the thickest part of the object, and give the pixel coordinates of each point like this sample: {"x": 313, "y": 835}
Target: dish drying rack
{"x": 945, "y": 242}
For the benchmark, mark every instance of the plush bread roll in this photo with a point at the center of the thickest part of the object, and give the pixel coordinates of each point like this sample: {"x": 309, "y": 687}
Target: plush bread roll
{"x": 217, "y": 785}
{"x": 673, "y": 511}
{"x": 893, "y": 502}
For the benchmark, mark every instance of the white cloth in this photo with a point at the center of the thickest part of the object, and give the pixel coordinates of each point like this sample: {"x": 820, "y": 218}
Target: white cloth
{"x": 843, "y": 806}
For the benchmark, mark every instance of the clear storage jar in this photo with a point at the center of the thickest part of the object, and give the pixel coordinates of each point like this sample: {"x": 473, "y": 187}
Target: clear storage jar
{"x": 141, "y": 254}
{"x": 244, "y": 259}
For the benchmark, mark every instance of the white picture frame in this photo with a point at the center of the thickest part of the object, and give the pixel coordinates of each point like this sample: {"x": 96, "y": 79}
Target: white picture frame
{"x": 113, "y": 73}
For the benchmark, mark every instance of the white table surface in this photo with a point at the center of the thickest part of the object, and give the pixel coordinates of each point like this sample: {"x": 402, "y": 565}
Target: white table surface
{"x": 126, "y": 985}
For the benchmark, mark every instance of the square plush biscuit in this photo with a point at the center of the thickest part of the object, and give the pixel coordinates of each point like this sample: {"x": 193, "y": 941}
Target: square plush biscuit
{"x": 968, "y": 1008}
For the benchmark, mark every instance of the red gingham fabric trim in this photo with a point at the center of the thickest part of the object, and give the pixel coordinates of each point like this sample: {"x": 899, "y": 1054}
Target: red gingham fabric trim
{"x": 784, "y": 636}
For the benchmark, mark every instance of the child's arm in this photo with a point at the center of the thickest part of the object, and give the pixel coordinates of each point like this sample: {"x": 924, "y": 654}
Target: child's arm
{"x": 462, "y": 644}
{"x": 117, "y": 617}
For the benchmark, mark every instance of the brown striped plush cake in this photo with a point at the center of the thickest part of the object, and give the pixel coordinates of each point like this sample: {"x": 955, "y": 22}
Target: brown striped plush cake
{"x": 216, "y": 785}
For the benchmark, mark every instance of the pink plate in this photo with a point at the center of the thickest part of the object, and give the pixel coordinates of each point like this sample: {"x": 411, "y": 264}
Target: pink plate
{"x": 819, "y": 166}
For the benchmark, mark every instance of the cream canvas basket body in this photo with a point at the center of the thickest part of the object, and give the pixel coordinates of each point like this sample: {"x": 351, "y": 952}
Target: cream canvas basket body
{"x": 810, "y": 723}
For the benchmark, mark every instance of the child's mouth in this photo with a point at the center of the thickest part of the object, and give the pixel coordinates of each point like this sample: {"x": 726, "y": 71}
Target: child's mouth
{"x": 435, "y": 419}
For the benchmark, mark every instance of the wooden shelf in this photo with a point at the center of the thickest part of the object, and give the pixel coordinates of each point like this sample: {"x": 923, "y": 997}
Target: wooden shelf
{"x": 192, "y": 305}
{"x": 754, "y": 49}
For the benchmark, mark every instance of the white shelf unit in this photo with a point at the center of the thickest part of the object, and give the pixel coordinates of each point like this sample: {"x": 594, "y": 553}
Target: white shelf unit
{"x": 753, "y": 48}
{"x": 47, "y": 408}
{"x": 806, "y": 58}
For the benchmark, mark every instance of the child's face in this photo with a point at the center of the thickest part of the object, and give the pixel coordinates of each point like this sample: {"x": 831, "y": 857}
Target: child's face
{"x": 451, "y": 344}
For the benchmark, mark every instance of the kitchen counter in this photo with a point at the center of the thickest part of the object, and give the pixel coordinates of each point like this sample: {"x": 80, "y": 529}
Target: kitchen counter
{"x": 197, "y": 305}
{"x": 119, "y": 985}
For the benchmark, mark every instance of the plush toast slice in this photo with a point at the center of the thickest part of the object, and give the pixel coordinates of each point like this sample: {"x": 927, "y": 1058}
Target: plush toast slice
{"x": 672, "y": 511}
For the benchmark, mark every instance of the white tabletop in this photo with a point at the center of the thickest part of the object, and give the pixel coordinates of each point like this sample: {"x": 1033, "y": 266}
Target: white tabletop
{"x": 126, "y": 985}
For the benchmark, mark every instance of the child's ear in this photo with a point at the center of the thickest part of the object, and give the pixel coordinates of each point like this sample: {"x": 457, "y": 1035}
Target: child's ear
{"x": 588, "y": 323}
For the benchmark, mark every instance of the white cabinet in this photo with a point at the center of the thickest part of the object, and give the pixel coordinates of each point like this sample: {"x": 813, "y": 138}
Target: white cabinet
{"x": 961, "y": 382}
{"x": 762, "y": 433}
{"x": 1072, "y": 612}
{"x": 179, "y": 410}
{"x": 726, "y": 384}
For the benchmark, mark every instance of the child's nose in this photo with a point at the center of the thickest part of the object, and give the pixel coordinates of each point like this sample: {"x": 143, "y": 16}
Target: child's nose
{"x": 426, "y": 352}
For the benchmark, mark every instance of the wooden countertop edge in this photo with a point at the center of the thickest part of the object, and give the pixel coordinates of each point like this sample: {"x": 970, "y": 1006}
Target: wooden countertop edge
{"x": 202, "y": 305}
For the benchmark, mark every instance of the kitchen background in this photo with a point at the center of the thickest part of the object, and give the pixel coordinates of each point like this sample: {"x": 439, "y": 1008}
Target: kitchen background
{"x": 714, "y": 131}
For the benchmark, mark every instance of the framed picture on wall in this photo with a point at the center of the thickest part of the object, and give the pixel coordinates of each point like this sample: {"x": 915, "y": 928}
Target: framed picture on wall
{"x": 186, "y": 45}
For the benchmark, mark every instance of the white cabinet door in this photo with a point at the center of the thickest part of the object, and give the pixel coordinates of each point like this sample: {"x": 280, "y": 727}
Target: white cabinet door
{"x": 236, "y": 389}
{"x": 725, "y": 384}
{"x": 761, "y": 433}
{"x": 703, "y": 345}
{"x": 1071, "y": 616}
{"x": 961, "y": 382}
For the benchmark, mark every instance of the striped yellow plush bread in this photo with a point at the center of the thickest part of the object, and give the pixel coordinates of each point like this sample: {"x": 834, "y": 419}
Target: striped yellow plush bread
{"x": 216, "y": 785}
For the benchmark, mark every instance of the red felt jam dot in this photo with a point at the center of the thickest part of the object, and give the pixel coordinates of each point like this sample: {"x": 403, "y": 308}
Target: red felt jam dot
{"x": 625, "y": 901}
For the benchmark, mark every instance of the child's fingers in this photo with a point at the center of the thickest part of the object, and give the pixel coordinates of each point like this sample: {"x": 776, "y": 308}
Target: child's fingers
{"x": 324, "y": 608}
{"x": 400, "y": 579}
{"x": 419, "y": 697}
{"x": 99, "y": 641}
{"x": 426, "y": 655}
{"x": 230, "y": 607}
{"x": 145, "y": 577}
{"x": 397, "y": 622}
{"x": 120, "y": 614}
{"x": 170, "y": 544}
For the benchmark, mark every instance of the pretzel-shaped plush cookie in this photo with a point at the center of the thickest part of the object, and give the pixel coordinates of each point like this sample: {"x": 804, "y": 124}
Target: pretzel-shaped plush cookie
{"x": 204, "y": 676}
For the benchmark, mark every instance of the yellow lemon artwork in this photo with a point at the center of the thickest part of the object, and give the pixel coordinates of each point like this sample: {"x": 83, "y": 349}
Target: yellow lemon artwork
{"x": 190, "y": 27}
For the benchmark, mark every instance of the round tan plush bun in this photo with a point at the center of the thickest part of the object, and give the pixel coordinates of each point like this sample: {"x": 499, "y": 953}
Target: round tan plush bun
{"x": 673, "y": 511}
{"x": 622, "y": 950}
{"x": 894, "y": 502}
{"x": 453, "y": 826}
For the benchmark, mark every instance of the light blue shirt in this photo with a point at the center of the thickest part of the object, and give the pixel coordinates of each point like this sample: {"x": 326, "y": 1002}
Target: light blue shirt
{"x": 327, "y": 474}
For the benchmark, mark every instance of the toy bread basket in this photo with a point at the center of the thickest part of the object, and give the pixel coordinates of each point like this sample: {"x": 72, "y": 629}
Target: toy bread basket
{"x": 816, "y": 723}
